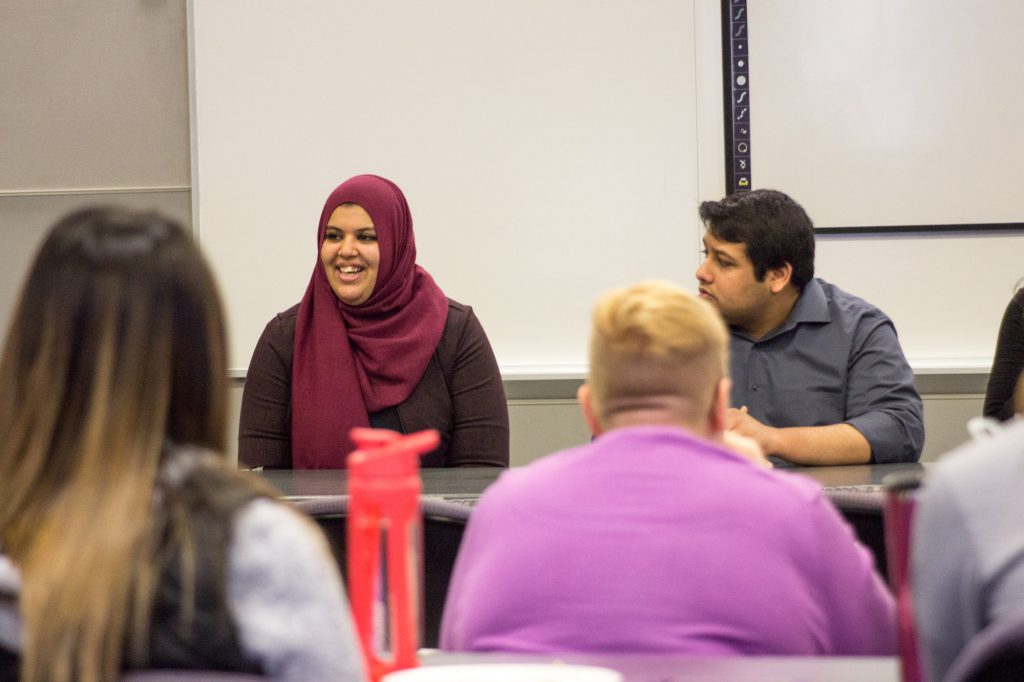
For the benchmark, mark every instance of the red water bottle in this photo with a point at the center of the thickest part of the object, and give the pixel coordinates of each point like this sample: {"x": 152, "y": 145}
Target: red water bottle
{"x": 385, "y": 544}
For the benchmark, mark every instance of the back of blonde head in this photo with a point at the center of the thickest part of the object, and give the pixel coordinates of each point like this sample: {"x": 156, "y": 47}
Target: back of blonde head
{"x": 116, "y": 347}
{"x": 654, "y": 345}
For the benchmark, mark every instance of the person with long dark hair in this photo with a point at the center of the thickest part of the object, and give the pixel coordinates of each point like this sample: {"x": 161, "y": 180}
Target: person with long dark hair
{"x": 126, "y": 541}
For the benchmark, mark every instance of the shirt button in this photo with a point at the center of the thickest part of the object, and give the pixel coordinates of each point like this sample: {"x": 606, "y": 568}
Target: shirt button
{"x": 754, "y": 387}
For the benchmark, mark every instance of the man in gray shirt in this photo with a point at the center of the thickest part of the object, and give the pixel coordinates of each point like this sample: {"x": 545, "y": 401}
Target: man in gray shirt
{"x": 818, "y": 374}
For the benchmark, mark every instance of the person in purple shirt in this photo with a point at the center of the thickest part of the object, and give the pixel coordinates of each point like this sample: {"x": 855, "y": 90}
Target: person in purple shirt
{"x": 656, "y": 536}
{"x": 818, "y": 375}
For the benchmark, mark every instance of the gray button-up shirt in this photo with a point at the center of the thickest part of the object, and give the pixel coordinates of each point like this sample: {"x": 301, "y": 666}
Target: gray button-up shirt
{"x": 835, "y": 359}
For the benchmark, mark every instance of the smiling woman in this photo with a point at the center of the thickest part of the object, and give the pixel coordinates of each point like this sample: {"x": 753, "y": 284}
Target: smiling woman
{"x": 374, "y": 342}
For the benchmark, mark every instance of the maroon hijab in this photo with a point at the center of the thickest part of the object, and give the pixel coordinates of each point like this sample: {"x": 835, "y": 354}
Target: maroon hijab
{"x": 352, "y": 361}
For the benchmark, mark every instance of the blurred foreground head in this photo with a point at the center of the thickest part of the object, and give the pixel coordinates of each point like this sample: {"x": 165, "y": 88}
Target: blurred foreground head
{"x": 657, "y": 355}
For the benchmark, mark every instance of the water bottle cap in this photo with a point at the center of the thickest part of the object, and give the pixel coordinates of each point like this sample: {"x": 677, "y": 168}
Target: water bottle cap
{"x": 386, "y": 453}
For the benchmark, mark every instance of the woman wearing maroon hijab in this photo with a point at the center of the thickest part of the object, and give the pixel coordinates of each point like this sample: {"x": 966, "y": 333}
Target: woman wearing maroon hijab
{"x": 374, "y": 342}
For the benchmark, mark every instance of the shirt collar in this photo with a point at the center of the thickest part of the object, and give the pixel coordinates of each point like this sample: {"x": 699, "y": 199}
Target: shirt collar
{"x": 811, "y": 307}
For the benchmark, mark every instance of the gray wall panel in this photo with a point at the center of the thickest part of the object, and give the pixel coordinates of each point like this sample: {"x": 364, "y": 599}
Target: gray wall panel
{"x": 95, "y": 94}
{"x": 24, "y": 221}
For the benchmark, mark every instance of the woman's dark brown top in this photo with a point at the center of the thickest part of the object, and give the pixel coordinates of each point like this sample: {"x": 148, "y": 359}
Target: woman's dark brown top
{"x": 460, "y": 395}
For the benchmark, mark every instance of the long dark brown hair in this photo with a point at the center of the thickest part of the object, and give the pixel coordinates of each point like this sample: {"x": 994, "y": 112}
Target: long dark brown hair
{"x": 116, "y": 348}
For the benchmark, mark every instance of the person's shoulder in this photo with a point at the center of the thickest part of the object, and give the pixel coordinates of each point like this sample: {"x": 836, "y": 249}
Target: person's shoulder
{"x": 287, "y": 317}
{"x": 539, "y": 479}
{"x": 270, "y": 537}
{"x": 458, "y": 308}
{"x": 281, "y": 327}
{"x": 461, "y": 323}
{"x": 850, "y": 308}
{"x": 982, "y": 465}
{"x": 776, "y": 493}
{"x": 513, "y": 481}
{"x": 459, "y": 313}
{"x": 779, "y": 494}
{"x": 1018, "y": 298}
{"x": 263, "y": 517}
{"x": 783, "y": 498}
{"x": 977, "y": 488}
{"x": 290, "y": 312}
{"x": 845, "y": 300}
{"x": 798, "y": 487}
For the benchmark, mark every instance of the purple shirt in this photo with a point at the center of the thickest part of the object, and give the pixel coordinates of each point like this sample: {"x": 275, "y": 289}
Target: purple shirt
{"x": 652, "y": 540}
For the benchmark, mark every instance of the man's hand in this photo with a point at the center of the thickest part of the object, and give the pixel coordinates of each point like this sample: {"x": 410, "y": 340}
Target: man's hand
{"x": 739, "y": 422}
{"x": 828, "y": 444}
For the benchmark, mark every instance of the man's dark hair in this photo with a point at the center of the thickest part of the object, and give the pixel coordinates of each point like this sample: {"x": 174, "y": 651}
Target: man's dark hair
{"x": 775, "y": 229}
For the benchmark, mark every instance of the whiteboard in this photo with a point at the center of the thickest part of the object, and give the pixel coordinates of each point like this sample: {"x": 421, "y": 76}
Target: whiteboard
{"x": 548, "y": 150}
{"x": 889, "y": 112}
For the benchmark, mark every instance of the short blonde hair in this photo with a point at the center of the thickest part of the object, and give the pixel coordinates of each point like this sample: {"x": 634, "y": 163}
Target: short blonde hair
{"x": 654, "y": 339}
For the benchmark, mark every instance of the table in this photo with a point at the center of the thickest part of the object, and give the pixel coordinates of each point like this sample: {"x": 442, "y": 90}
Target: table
{"x": 850, "y": 475}
{"x": 674, "y": 668}
{"x": 468, "y": 481}
{"x": 455, "y": 482}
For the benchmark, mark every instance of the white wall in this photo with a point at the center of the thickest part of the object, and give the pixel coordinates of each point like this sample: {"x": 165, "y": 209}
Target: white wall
{"x": 94, "y": 110}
